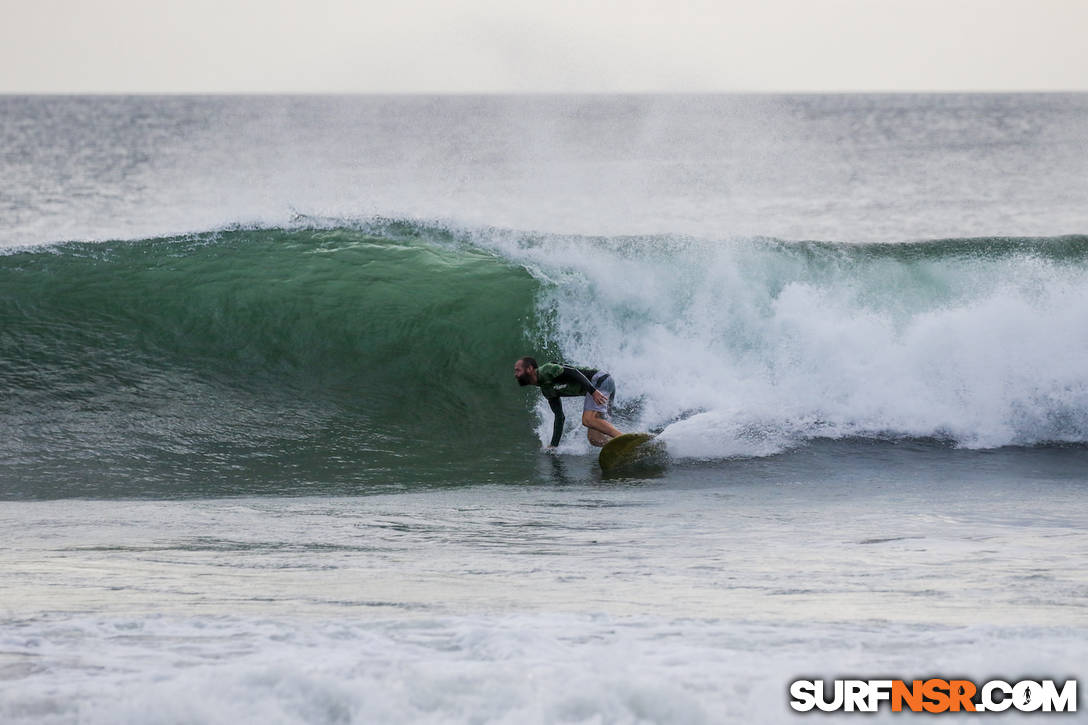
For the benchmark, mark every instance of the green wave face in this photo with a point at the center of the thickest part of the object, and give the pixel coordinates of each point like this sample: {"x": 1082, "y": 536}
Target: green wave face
{"x": 252, "y": 360}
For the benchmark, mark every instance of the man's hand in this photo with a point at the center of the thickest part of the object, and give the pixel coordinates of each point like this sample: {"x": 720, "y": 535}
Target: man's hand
{"x": 599, "y": 397}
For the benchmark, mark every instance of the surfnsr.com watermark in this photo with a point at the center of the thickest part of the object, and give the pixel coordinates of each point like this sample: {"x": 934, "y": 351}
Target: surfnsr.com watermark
{"x": 933, "y": 695}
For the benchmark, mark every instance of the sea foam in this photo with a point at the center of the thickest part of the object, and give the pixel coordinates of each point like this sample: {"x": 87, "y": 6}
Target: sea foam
{"x": 747, "y": 347}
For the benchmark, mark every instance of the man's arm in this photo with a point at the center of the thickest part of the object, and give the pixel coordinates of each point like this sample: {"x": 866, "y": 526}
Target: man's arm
{"x": 556, "y": 405}
{"x": 574, "y": 375}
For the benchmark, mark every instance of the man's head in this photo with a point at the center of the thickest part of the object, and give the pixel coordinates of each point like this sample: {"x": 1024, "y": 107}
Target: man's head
{"x": 525, "y": 371}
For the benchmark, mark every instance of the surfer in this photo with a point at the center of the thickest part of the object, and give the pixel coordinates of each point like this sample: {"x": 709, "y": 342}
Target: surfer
{"x": 559, "y": 381}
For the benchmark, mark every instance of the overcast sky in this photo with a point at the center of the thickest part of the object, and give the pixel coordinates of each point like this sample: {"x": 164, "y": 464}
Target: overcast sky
{"x": 271, "y": 46}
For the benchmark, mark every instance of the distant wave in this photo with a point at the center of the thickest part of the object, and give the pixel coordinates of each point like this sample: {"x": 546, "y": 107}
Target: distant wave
{"x": 366, "y": 350}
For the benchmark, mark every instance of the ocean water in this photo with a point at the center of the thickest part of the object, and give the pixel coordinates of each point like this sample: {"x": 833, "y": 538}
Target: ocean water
{"x": 263, "y": 459}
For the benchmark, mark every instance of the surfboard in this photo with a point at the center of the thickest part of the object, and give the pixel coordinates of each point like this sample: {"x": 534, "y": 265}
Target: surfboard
{"x": 629, "y": 449}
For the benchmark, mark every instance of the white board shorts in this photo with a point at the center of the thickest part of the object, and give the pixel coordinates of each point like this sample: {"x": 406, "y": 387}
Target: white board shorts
{"x": 603, "y": 382}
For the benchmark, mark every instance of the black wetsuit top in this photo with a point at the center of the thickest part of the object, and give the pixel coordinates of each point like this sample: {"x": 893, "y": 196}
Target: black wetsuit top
{"x": 562, "y": 381}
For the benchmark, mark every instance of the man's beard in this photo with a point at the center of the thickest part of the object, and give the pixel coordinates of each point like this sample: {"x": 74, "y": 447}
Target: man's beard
{"x": 524, "y": 379}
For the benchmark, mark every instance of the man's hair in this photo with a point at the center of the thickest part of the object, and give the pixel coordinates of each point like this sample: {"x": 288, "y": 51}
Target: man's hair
{"x": 529, "y": 362}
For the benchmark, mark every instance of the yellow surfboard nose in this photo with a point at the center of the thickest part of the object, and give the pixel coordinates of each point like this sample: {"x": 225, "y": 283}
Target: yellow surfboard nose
{"x": 629, "y": 448}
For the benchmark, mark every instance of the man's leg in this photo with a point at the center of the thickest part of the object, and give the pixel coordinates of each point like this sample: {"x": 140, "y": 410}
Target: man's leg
{"x": 595, "y": 415}
{"x": 598, "y": 429}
